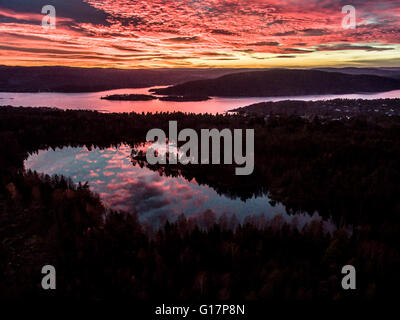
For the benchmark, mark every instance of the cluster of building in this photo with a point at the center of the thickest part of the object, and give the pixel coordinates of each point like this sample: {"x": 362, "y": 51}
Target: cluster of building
{"x": 337, "y": 109}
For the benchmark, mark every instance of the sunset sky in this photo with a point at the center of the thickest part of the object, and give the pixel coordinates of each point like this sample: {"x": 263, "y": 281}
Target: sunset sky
{"x": 200, "y": 33}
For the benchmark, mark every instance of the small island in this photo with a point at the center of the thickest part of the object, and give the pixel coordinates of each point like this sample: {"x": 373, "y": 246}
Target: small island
{"x": 184, "y": 98}
{"x": 129, "y": 97}
{"x": 147, "y": 97}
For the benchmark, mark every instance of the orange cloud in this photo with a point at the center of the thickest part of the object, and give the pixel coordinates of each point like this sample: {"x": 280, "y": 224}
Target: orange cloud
{"x": 207, "y": 33}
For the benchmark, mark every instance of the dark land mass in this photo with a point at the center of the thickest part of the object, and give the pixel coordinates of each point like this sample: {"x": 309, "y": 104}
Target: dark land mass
{"x": 389, "y": 72}
{"x": 129, "y": 97}
{"x": 147, "y": 97}
{"x": 348, "y": 170}
{"x": 66, "y": 79}
{"x": 283, "y": 83}
{"x": 184, "y": 98}
{"x": 335, "y": 109}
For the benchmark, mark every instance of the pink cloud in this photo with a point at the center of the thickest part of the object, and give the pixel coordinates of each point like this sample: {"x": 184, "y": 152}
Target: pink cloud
{"x": 203, "y": 33}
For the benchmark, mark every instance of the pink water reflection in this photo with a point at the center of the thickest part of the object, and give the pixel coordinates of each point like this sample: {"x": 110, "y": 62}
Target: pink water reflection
{"x": 92, "y": 101}
{"x": 123, "y": 186}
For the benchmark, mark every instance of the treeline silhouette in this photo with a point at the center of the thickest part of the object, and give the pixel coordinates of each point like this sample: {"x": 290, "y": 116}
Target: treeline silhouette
{"x": 49, "y": 220}
{"x": 374, "y": 110}
{"x": 347, "y": 170}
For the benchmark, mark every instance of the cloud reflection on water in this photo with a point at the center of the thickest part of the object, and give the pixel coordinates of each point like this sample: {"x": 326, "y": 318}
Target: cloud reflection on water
{"x": 123, "y": 186}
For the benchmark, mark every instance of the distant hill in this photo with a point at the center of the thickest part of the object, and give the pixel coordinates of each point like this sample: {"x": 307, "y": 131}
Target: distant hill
{"x": 283, "y": 82}
{"x": 239, "y": 82}
{"x": 66, "y": 79}
{"x": 389, "y": 72}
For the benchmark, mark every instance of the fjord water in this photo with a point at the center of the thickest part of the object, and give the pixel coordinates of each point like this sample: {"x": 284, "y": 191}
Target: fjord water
{"x": 125, "y": 186}
{"x": 93, "y": 101}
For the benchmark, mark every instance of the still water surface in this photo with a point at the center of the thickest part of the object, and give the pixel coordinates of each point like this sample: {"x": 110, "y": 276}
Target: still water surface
{"x": 124, "y": 186}
{"x": 92, "y": 101}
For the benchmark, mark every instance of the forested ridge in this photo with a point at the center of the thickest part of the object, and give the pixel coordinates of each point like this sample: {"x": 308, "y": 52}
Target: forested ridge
{"x": 347, "y": 170}
{"x": 282, "y": 82}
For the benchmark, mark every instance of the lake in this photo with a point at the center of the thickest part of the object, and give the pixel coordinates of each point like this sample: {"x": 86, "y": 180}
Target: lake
{"x": 92, "y": 101}
{"x": 125, "y": 186}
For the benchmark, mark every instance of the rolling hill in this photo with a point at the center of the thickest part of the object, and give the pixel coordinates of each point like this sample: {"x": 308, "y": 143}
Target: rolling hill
{"x": 283, "y": 82}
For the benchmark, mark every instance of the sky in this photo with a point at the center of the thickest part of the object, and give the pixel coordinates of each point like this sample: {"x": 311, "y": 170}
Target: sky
{"x": 200, "y": 33}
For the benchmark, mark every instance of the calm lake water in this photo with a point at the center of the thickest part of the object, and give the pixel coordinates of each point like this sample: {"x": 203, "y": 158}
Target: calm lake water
{"x": 92, "y": 101}
{"x": 124, "y": 186}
